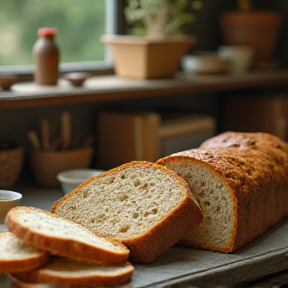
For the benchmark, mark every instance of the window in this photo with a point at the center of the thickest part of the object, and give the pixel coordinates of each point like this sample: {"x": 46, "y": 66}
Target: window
{"x": 80, "y": 25}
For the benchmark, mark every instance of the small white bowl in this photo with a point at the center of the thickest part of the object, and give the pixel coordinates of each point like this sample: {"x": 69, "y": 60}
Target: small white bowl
{"x": 241, "y": 57}
{"x": 71, "y": 179}
{"x": 205, "y": 63}
{"x": 8, "y": 200}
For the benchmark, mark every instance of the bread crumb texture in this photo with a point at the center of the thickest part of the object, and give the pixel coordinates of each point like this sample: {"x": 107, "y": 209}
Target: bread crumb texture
{"x": 17, "y": 256}
{"x": 124, "y": 202}
{"x": 12, "y": 248}
{"x": 214, "y": 199}
{"x": 51, "y": 225}
{"x": 240, "y": 181}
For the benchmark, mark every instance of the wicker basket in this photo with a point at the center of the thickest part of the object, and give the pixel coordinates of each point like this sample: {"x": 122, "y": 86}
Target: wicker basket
{"x": 11, "y": 162}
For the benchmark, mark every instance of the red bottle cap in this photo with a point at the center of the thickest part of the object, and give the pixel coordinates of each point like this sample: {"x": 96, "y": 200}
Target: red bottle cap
{"x": 47, "y": 31}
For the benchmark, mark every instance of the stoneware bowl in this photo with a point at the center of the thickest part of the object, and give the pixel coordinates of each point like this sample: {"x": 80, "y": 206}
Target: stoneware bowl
{"x": 6, "y": 81}
{"x": 241, "y": 57}
{"x": 76, "y": 78}
{"x": 8, "y": 200}
{"x": 71, "y": 179}
{"x": 205, "y": 63}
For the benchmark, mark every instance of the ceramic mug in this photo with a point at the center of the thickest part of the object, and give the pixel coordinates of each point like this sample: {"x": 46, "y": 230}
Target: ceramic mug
{"x": 8, "y": 200}
{"x": 241, "y": 57}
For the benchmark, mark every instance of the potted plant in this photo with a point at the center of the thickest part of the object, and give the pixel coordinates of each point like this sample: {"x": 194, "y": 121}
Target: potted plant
{"x": 248, "y": 26}
{"x": 156, "y": 44}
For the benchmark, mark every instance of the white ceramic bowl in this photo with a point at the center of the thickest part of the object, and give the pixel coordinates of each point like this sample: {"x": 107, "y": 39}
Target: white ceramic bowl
{"x": 8, "y": 200}
{"x": 205, "y": 63}
{"x": 241, "y": 57}
{"x": 71, "y": 179}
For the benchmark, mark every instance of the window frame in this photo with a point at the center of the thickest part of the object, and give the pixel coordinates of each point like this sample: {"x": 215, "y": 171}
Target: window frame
{"x": 114, "y": 25}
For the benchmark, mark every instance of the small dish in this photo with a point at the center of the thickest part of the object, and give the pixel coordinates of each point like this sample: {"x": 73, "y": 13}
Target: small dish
{"x": 241, "y": 57}
{"x": 205, "y": 63}
{"x": 76, "y": 78}
{"x": 71, "y": 179}
{"x": 8, "y": 200}
{"x": 6, "y": 81}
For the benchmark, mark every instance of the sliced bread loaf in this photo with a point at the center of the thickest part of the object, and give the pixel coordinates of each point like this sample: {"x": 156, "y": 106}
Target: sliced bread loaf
{"x": 60, "y": 236}
{"x": 17, "y": 256}
{"x": 241, "y": 185}
{"x": 147, "y": 207}
{"x": 67, "y": 273}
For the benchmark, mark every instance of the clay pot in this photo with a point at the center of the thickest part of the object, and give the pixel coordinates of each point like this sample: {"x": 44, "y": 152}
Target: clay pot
{"x": 147, "y": 57}
{"x": 47, "y": 164}
{"x": 258, "y": 29}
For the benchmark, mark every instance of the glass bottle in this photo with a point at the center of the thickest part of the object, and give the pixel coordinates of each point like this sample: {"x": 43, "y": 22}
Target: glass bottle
{"x": 46, "y": 57}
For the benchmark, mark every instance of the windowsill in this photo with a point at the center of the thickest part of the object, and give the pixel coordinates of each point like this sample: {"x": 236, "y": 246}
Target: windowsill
{"x": 113, "y": 88}
{"x": 26, "y": 72}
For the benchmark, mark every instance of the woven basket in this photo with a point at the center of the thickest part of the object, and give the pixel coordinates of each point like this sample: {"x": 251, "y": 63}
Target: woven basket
{"x": 11, "y": 162}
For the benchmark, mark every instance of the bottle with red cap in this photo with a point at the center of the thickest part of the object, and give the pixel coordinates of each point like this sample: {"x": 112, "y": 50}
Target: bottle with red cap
{"x": 46, "y": 57}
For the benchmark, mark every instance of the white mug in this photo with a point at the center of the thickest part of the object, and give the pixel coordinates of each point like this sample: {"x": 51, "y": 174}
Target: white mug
{"x": 8, "y": 200}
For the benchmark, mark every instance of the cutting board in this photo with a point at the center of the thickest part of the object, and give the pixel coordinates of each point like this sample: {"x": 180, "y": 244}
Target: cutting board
{"x": 266, "y": 255}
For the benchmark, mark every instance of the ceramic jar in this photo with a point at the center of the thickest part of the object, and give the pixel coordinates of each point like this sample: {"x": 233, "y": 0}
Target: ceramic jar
{"x": 46, "y": 57}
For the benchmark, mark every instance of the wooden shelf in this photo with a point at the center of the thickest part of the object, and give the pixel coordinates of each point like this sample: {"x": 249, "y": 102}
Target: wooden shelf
{"x": 113, "y": 88}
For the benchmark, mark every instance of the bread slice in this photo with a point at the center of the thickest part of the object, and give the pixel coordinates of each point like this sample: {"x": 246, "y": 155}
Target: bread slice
{"x": 241, "y": 185}
{"x": 147, "y": 207}
{"x": 60, "y": 236}
{"x": 67, "y": 272}
{"x": 17, "y": 256}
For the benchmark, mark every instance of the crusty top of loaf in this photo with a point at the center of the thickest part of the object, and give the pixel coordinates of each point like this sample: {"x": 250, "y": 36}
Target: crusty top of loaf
{"x": 241, "y": 140}
{"x": 243, "y": 169}
{"x": 254, "y": 168}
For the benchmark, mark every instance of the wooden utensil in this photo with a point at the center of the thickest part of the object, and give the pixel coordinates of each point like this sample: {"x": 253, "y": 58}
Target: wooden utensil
{"x": 65, "y": 130}
{"x": 34, "y": 140}
{"x": 45, "y": 134}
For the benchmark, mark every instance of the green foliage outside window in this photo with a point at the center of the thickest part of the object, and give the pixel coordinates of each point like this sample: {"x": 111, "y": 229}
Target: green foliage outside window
{"x": 80, "y": 24}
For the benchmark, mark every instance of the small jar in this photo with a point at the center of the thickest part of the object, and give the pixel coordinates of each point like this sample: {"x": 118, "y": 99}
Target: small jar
{"x": 46, "y": 57}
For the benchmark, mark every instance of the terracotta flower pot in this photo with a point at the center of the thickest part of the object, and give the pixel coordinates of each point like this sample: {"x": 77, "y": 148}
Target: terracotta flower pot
{"x": 147, "y": 57}
{"x": 258, "y": 29}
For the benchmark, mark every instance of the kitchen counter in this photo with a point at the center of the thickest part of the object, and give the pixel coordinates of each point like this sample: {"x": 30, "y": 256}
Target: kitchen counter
{"x": 37, "y": 196}
{"x": 183, "y": 267}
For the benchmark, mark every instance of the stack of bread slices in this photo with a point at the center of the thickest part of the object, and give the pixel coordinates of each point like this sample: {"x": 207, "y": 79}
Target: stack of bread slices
{"x": 144, "y": 209}
{"x": 42, "y": 247}
{"x": 217, "y": 197}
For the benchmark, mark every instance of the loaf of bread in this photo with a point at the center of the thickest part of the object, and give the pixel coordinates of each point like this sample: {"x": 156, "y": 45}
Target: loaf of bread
{"x": 18, "y": 256}
{"x": 240, "y": 181}
{"x": 60, "y": 236}
{"x": 145, "y": 206}
{"x": 64, "y": 272}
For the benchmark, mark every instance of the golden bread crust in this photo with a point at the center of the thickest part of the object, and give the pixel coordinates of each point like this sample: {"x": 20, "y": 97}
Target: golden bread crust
{"x": 23, "y": 262}
{"x": 62, "y": 245}
{"x": 61, "y": 270}
{"x": 254, "y": 167}
{"x": 146, "y": 247}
